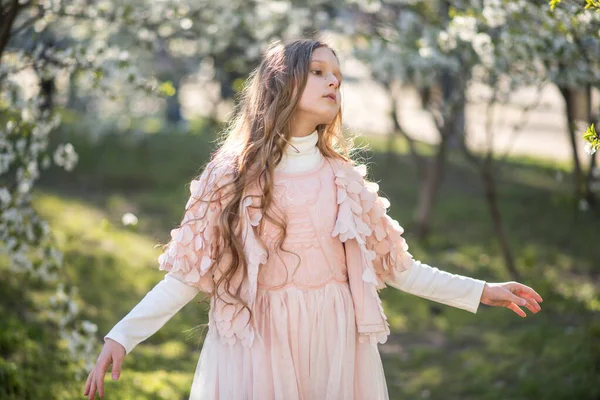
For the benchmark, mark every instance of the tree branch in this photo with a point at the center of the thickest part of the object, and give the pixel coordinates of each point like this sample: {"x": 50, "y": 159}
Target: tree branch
{"x": 7, "y": 20}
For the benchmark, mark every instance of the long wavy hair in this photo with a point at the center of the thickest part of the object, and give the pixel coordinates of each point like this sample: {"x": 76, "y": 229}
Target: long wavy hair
{"x": 254, "y": 142}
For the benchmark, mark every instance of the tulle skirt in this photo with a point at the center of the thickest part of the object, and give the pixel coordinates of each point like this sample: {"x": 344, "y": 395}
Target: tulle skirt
{"x": 306, "y": 348}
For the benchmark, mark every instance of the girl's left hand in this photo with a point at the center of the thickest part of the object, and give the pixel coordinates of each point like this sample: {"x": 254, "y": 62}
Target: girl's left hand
{"x": 511, "y": 295}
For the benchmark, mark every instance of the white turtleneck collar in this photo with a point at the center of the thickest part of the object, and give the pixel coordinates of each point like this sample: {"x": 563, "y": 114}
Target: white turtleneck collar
{"x": 302, "y": 154}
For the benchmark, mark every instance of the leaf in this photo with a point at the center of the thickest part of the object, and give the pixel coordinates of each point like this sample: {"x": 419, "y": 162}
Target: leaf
{"x": 554, "y": 3}
{"x": 167, "y": 89}
{"x": 591, "y": 135}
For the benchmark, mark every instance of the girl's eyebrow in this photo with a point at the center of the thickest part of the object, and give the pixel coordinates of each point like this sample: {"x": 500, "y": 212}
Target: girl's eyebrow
{"x": 324, "y": 62}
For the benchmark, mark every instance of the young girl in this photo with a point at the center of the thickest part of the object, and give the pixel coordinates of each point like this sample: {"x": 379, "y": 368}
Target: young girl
{"x": 292, "y": 243}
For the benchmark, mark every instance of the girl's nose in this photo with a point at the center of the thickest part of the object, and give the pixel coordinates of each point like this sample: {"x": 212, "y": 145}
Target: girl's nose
{"x": 334, "y": 82}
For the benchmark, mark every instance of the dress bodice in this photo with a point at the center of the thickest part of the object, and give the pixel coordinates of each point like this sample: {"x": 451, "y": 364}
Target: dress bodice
{"x": 310, "y": 257}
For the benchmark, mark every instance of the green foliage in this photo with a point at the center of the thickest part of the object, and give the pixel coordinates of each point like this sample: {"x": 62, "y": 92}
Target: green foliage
{"x": 33, "y": 360}
{"x": 167, "y": 89}
{"x": 591, "y": 136}
{"x": 589, "y": 4}
{"x": 592, "y": 4}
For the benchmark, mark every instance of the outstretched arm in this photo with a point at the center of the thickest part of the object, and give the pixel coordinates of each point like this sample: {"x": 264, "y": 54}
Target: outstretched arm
{"x": 364, "y": 216}
{"x": 188, "y": 261}
{"x": 464, "y": 292}
{"x": 443, "y": 287}
{"x": 159, "y": 305}
{"x": 155, "y": 309}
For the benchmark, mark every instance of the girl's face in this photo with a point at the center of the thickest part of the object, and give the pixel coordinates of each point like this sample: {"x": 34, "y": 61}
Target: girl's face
{"x": 320, "y": 101}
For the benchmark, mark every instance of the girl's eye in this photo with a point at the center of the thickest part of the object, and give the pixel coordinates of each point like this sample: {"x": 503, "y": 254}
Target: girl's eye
{"x": 319, "y": 72}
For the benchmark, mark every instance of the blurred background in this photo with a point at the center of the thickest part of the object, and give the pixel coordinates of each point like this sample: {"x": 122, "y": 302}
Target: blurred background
{"x": 476, "y": 117}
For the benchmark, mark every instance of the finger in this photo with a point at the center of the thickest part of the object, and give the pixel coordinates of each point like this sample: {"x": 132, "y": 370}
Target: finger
{"x": 526, "y": 291}
{"x": 510, "y": 296}
{"x": 517, "y": 310}
{"x": 100, "y": 383}
{"x": 88, "y": 382}
{"x": 100, "y": 376}
{"x": 533, "y": 305}
{"x": 116, "y": 368}
{"x": 533, "y": 294}
{"x": 92, "y": 393}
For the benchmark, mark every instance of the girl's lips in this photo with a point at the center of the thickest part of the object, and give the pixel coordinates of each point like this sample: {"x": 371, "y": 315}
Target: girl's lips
{"x": 330, "y": 98}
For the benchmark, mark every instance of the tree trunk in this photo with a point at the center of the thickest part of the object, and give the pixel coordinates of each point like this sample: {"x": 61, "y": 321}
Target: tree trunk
{"x": 578, "y": 172}
{"x": 7, "y": 19}
{"x": 459, "y": 134}
{"x": 491, "y": 197}
{"x": 399, "y": 132}
{"x": 173, "y": 109}
{"x": 47, "y": 90}
{"x": 428, "y": 189}
{"x": 446, "y": 126}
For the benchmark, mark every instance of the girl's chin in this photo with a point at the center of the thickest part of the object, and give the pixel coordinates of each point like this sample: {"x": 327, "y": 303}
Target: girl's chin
{"x": 326, "y": 121}
{"x": 324, "y": 115}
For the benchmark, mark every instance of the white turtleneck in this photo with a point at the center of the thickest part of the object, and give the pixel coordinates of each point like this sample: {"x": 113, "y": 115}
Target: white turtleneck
{"x": 302, "y": 154}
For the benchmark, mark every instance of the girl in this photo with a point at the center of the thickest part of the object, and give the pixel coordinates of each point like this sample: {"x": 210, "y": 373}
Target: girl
{"x": 292, "y": 243}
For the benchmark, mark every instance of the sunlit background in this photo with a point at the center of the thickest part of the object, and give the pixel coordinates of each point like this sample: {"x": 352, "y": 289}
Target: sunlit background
{"x": 477, "y": 118}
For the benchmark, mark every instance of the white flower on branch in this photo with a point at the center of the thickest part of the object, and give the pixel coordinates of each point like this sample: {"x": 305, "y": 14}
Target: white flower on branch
{"x": 589, "y": 148}
{"x": 464, "y": 27}
{"x": 494, "y": 13}
{"x": 5, "y": 197}
{"x": 65, "y": 156}
{"x": 483, "y": 46}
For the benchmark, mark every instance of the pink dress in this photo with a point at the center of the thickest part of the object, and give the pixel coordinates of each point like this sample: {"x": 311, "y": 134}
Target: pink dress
{"x": 317, "y": 315}
{"x": 306, "y": 345}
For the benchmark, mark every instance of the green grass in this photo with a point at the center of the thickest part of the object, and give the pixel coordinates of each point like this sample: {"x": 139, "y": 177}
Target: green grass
{"x": 435, "y": 351}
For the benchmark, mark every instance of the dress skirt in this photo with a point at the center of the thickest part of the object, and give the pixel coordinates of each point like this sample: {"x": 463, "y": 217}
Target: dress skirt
{"x": 305, "y": 348}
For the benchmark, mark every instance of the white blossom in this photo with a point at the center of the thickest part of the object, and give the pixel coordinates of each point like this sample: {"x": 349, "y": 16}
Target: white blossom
{"x": 589, "y": 148}
{"x": 5, "y": 196}
{"x": 446, "y": 42}
{"x": 65, "y": 156}
{"x": 463, "y": 27}
{"x": 483, "y": 46}
{"x": 494, "y": 13}
{"x": 129, "y": 219}
{"x": 89, "y": 327}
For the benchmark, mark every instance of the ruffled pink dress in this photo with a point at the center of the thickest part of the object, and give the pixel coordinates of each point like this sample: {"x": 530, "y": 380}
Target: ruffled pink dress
{"x": 305, "y": 345}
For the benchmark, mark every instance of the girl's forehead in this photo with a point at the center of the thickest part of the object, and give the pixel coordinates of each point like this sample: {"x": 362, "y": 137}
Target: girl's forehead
{"x": 325, "y": 57}
{"x": 323, "y": 54}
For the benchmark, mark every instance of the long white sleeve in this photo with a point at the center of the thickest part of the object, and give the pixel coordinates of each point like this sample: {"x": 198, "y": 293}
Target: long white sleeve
{"x": 159, "y": 305}
{"x": 443, "y": 287}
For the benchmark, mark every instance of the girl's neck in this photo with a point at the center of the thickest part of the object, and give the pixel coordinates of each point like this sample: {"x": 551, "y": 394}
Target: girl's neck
{"x": 301, "y": 154}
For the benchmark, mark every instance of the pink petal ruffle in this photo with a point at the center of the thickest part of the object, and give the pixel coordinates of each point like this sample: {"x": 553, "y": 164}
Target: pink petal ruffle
{"x": 256, "y": 253}
{"x": 192, "y": 250}
{"x": 362, "y": 215}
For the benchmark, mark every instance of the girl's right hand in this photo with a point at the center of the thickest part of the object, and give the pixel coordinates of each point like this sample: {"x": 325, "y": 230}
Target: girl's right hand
{"x": 112, "y": 352}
